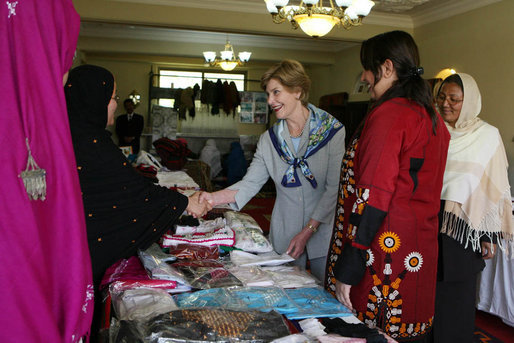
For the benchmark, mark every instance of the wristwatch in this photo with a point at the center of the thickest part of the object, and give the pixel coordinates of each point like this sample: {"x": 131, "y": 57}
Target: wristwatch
{"x": 312, "y": 228}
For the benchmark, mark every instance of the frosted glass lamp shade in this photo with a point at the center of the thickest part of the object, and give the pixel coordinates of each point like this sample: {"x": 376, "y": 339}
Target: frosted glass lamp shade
{"x": 344, "y": 3}
{"x": 227, "y": 65}
{"x": 316, "y": 25}
{"x": 279, "y": 3}
{"x": 244, "y": 56}
{"x": 362, "y": 7}
{"x": 209, "y": 56}
{"x": 226, "y": 55}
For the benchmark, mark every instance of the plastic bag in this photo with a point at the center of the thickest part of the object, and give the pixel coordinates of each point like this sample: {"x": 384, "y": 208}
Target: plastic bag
{"x": 215, "y": 325}
{"x": 194, "y": 252}
{"x": 141, "y": 304}
{"x": 159, "y": 269}
{"x": 205, "y": 274}
{"x": 251, "y": 240}
{"x": 241, "y": 220}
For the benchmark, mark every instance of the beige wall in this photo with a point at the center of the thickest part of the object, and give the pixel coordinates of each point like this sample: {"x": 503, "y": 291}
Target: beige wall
{"x": 480, "y": 43}
{"x": 133, "y": 72}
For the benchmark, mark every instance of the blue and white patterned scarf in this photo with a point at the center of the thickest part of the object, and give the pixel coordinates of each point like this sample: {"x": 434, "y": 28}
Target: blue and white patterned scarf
{"x": 322, "y": 127}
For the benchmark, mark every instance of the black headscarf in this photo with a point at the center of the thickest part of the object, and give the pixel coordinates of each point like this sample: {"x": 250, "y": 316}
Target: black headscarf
{"x": 123, "y": 210}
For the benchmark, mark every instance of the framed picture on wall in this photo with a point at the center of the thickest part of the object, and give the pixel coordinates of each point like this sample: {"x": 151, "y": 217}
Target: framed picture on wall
{"x": 254, "y": 108}
{"x": 361, "y": 87}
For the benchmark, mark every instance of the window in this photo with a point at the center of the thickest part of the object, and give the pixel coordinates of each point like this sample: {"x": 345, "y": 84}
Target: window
{"x": 183, "y": 79}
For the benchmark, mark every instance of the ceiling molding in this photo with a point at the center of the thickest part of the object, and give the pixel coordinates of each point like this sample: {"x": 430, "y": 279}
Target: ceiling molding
{"x": 246, "y": 6}
{"x": 424, "y": 14}
{"x": 389, "y": 19}
{"x": 139, "y": 32}
{"x": 447, "y": 10}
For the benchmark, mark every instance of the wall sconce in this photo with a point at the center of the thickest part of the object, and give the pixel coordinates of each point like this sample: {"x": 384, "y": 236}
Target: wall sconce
{"x": 444, "y": 73}
{"x": 135, "y": 97}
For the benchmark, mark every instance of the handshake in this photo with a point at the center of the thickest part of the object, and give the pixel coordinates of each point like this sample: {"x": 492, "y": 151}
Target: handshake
{"x": 198, "y": 206}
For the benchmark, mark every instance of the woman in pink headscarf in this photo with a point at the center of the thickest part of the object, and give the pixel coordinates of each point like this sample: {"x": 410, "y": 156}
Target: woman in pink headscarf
{"x": 45, "y": 282}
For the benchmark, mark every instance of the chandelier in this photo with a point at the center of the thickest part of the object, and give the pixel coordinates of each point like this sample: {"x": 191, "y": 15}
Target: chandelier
{"x": 227, "y": 61}
{"x": 317, "y": 20}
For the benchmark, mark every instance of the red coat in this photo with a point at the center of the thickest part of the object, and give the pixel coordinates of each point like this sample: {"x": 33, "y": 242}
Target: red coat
{"x": 385, "y": 233}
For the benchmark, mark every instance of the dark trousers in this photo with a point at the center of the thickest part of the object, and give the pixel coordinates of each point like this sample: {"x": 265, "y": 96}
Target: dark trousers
{"x": 454, "y": 319}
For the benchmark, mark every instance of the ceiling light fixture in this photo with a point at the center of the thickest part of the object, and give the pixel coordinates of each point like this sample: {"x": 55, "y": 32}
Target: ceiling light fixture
{"x": 315, "y": 19}
{"x": 227, "y": 61}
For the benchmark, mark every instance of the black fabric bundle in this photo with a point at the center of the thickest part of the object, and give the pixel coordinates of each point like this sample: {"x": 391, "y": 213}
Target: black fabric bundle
{"x": 218, "y": 325}
{"x": 340, "y": 327}
{"x": 123, "y": 210}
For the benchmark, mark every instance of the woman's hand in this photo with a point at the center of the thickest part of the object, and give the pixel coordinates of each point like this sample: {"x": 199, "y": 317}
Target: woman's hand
{"x": 343, "y": 294}
{"x": 196, "y": 207}
{"x": 488, "y": 250}
{"x": 207, "y": 197}
{"x": 297, "y": 244}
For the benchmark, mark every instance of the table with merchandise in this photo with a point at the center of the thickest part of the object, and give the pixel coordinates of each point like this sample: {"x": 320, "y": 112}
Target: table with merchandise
{"x": 218, "y": 280}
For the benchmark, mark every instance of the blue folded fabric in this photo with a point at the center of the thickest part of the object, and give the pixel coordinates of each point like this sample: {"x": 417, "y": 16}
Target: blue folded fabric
{"x": 315, "y": 303}
{"x": 297, "y": 303}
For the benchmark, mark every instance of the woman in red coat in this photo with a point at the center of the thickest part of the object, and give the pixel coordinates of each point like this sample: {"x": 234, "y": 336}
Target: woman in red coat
{"x": 382, "y": 256}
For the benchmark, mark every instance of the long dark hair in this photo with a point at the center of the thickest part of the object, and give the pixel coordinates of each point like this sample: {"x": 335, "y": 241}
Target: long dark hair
{"x": 400, "y": 48}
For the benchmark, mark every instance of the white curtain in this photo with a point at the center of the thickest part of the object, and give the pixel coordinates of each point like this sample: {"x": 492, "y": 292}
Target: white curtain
{"x": 204, "y": 123}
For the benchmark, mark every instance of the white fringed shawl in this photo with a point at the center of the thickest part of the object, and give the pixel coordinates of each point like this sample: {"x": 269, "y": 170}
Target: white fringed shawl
{"x": 475, "y": 186}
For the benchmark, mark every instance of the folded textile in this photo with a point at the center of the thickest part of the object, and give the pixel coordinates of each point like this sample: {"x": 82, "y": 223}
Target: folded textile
{"x": 194, "y": 252}
{"x": 216, "y": 325}
{"x": 294, "y": 338}
{"x": 315, "y": 302}
{"x": 205, "y": 274}
{"x": 241, "y": 220}
{"x": 204, "y": 226}
{"x": 221, "y": 236}
{"x": 251, "y": 240}
{"x": 290, "y": 277}
{"x": 241, "y": 258}
{"x": 339, "y": 326}
{"x": 122, "y": 285}
{"x": 141, "y": 304}
{"x": 278, "y": 276}
{"x": 124, "y": 269}
{"x": 252, "y": 276}
{"x": 262, "y": 299}
{"x": 176, "y": 179}
{"x": 158, "y": 269}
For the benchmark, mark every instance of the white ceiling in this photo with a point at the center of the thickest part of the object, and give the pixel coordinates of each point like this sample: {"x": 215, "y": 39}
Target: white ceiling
{"x": 404, "y": 13}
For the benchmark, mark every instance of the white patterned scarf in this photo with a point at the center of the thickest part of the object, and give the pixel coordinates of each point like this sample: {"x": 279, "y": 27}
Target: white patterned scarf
{"x": 476, "y": 188}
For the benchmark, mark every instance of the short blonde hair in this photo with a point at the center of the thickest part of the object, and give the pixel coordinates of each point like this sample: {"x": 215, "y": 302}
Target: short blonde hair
{"x": 290, "y": 74}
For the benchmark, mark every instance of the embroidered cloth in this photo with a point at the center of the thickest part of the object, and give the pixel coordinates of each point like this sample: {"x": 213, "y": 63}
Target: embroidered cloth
{"x": 385, "y": 231}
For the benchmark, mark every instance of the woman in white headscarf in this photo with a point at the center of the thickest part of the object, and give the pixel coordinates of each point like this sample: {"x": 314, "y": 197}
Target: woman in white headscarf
{"x": 476, "y": 210}
{"x": 211, "y": 155}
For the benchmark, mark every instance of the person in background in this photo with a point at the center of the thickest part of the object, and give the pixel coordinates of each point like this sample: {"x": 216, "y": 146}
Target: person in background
{"x": 385, "y": 232}
{"x": 211, "y": 155}
{"x": 129, "y": 127}
{"x": 46, "y": 291}
{"x": 302, "y": 154}
{"x": 476, "y": 209}
{"x": 235, "y": 163}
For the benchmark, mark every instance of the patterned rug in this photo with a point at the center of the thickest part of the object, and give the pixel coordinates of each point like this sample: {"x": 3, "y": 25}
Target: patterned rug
{"x": 482, "y": 336}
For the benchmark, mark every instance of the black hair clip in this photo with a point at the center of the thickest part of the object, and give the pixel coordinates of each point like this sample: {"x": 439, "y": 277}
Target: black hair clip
{"x": 417, "y": 71}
